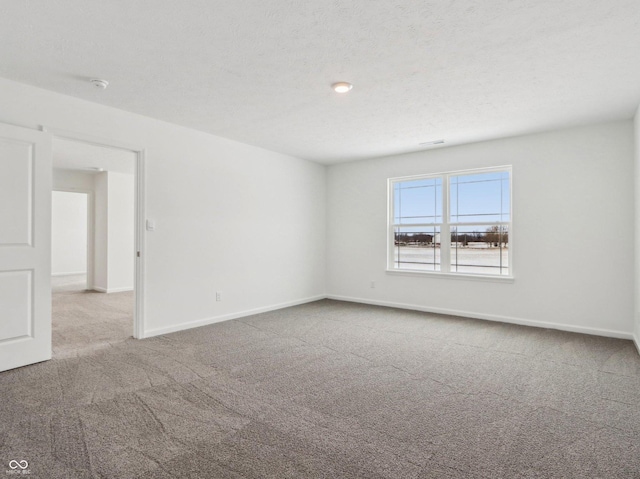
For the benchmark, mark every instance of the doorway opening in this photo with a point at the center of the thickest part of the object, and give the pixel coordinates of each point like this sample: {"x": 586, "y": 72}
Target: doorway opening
{"x": 70, "y": 240}
{"x": 96, "y": 271}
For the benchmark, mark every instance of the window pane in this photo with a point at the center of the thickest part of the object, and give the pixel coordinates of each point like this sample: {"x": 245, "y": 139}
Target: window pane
{"x": 483, "y": 197}
{"x": 417, "y": 248}
{"x": 418, "y": 201}
{"x": 480, "y": 250}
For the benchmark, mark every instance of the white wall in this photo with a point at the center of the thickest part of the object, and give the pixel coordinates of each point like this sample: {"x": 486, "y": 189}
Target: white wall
{"x": 636, "y": 128}
{"x": 75, "y": 180}
{"x": 230, "y": 217}
{"x": 120, "y": 237}
{"x": 101, "y": 232}
{"x": 572, "y": 231}
{"x": 68, "y": 233}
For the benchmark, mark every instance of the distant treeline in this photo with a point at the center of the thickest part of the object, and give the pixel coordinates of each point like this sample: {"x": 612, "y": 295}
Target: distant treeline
{"x": 492, "y": 236}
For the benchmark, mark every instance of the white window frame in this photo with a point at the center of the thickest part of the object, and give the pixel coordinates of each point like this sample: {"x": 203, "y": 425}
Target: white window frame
{"x": 446, "y": 225}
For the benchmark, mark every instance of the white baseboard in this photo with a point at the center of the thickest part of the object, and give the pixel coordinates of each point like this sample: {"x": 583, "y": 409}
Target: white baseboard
{"x": 226, "y": 317}
{"x": 111, "y": 290}
{"x": 452, "y": 312}
{"x": 493, "y": 317}
{"x": 74, "y": 273}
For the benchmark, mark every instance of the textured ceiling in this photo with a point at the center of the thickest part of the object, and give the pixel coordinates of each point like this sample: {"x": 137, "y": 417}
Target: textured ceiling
{"x": 260, "y": 71}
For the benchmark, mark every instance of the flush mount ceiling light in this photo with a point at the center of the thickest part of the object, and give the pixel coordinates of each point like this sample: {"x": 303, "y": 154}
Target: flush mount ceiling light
{"x": 342, "y": 87}
{"x": 101, "y": 84}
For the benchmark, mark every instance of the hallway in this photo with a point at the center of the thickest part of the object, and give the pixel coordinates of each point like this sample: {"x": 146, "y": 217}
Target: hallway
{"x": 85, "y": 321}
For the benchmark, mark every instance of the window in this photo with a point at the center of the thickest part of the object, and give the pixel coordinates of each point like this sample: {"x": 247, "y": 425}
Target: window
{"x": 456, "y": 223}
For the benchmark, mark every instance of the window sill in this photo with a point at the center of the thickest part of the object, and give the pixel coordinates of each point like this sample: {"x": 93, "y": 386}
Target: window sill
{"x": 462, "y": 276}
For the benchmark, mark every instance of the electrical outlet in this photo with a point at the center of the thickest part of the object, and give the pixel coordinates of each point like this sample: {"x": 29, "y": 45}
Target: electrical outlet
{"x": 218, "y": 295}
{"x": 373, "y": 284}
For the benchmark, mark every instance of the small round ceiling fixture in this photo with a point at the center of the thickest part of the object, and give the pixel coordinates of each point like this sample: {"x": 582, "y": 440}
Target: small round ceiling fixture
{"x": 102, "y": 84}
{"x": 342, "y": 87}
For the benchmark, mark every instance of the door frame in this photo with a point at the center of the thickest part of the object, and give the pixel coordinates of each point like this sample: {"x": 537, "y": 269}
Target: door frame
{"x": 140, "y": 213}
{"x": 90, "y": 229}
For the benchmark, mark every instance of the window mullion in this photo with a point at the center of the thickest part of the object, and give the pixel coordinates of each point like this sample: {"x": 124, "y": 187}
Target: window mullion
{"x": 445, "y": 229}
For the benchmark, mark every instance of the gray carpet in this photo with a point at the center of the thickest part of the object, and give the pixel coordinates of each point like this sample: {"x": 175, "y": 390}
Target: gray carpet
{"x": 332, "y": 390}
{"x": 84, "y": 321}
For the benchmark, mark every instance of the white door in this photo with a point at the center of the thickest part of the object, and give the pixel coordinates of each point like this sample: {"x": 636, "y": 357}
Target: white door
{"x": 25, "y": 246}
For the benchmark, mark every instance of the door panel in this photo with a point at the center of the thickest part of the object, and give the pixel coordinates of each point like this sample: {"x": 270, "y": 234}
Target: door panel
{"x": 16, "y": 205}
{"x": 15, "y": 305}
{"x": 25, "y": 246}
